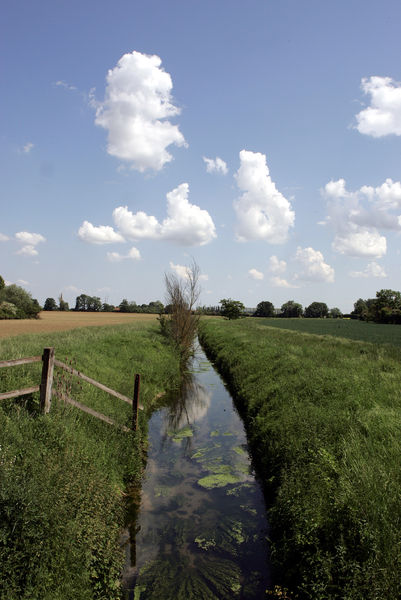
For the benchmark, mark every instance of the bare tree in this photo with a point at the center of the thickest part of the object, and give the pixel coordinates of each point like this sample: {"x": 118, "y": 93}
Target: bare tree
{"x": 181, "y": 297}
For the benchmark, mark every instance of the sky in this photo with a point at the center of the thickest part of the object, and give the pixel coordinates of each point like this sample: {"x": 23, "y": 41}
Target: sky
{"x": 261, "y": 139}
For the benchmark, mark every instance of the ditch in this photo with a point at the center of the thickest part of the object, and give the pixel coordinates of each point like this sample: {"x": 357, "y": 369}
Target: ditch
{"x": 198, "y": 528}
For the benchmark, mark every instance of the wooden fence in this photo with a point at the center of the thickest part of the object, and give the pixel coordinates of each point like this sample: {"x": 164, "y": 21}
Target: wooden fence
{"x": 46, "y": 388}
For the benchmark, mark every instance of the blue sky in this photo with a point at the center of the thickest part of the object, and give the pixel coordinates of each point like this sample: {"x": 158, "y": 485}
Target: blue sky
{"x": 110, "y": 110}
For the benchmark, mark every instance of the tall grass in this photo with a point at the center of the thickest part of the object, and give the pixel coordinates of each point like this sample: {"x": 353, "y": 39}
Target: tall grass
{"x": 62, "y": 476}
{"x": 323, "y": 418}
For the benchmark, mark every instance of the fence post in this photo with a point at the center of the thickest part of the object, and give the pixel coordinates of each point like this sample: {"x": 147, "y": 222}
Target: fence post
{"x": 135, "y": 403}
{"x": 47, "y": 379}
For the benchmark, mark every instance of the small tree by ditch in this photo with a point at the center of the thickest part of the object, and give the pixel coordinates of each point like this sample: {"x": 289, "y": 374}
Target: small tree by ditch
{"x": 181, "y": 323}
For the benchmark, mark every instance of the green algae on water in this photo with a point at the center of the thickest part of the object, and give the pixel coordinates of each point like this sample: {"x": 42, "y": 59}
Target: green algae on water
{"x": 178, "y": 436}
{"x": 218, "y": 480}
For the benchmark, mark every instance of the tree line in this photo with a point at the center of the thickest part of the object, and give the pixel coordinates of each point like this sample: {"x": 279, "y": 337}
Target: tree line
{"x": 86, "y": 303}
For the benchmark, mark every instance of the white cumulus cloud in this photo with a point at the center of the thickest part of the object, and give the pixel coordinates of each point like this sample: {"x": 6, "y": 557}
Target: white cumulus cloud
{"x": 29, "y": 241}
{"x": 255, "y": 274}
{"x": 186, "y": 224}
{"x": 277, "y": 281}
{"x": 133, "y": 254}
{"x": 28, "y": 251}
{"x": 29, "y": 238}
{"x": 277, "y": 266}
{"x": 312, "y": 266}
{"x": 216, "y": 165}
{"x": 372, "y": 270}
{"x": 383, "y": 116}
{"x": 104, "y": 234}
{"x": 263, "y": 213}
{"x": 3, "y": 237}
{"x": 357, "y": 216}
{"x": 27, "y": 148}
{"x": 136, "y": 112}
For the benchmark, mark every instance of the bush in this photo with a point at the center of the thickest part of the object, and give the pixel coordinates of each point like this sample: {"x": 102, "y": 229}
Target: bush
{"x": 26, "y": 307}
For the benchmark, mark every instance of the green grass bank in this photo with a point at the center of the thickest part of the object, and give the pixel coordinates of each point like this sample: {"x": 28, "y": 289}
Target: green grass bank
{"x": 323, "y": 417}
{"x": 63, "y": 475}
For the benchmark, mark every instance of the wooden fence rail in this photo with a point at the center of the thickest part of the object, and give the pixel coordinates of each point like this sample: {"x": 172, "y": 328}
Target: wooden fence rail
{"x": 46, "y": 385}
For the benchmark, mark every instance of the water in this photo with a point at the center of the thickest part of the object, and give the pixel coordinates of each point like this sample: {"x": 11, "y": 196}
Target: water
{"x": 200, "y": 529}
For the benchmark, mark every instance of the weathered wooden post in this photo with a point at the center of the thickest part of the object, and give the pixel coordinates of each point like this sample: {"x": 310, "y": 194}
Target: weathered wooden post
{"x": 135, "y": 403}
{"x": 47, "y": 379}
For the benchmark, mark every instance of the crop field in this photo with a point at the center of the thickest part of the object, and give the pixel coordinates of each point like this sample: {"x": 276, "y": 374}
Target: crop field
{"x": 347, "y": 328}
{"x": 60, "y": 321}
{"x": 323, "y": 419}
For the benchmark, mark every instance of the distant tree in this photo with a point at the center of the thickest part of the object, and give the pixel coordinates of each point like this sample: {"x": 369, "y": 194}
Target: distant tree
{"x": 264, "y": 309}
{"x": 26, "y": 306}
{"x": 107, "y": 307}
{"x": 81, "y": 302}
{"x": 50, "y": 304}
{"x": 94, "y": 304}
{"x": 335, "y": 313}
{"x": 316, "y": 310}
{"x": 2, "y": 283}
{"x": 231, "y": 309}
{"x": 62, "y": 305}
{"x": 124, "y": 306}
{"x": 291, "y": 309}
{"x": 360, "y": 309}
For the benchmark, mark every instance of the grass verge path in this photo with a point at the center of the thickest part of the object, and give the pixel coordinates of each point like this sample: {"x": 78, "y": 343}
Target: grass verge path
{"x": 62, "y": 476}
{"x": 323, "y": 417}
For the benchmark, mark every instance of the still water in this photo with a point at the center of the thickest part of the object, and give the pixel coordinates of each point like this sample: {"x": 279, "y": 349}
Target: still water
{"x": 200, "y": 530}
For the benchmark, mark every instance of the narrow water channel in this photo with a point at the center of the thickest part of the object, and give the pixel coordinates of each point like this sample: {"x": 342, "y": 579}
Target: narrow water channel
{"x": 201, "y": 530}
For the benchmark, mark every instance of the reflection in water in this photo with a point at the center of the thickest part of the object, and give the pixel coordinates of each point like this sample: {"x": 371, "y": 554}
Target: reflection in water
{"x": 197, "y": 526}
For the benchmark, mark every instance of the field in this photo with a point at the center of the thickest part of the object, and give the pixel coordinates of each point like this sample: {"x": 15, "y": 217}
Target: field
{"x": 347, "y": 328}
{"x": 60, "y": 321}
{"x": 323, "y": 418}
{"x": 63, "y": 475}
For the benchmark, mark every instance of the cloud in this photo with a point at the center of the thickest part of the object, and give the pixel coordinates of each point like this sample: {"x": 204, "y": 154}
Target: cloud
{"x": 136, "y": 110}
{"x": 277, "y": 266}
{"x": 313, "y": 267}
{"x": 103, "y": 234}
{"x": 263, "y": 213}
{"x": 186, "y": 224}
{"x": 372, "y": 270}
{"x": 28, "y": 251}
{"x": 356, "y": 217}
{"x": 216, "y": 165}
{"x": 27, "y": 148}
{"x": 362, "y": 242}
{"x": 180, "y": 270}
{"x": 255, "y": 274}
{"x": 30, "y": 240}
{"x": 383, "y": 116}
{"x": 65, "y": 85}
{"x": 279, "y": 282}
{"x": 133, "y": 254}
{"x": 4, "y": 238}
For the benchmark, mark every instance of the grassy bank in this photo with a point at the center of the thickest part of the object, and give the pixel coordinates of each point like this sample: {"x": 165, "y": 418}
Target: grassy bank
{"x": 323, "y": 417}
{"x": 62, "y": 475}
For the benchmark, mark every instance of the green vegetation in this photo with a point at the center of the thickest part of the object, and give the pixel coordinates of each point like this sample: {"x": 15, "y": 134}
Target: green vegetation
{"x": 16, "y": 303}
{"x": 231, "y": 309}
{"x": 62, "y": 475}
{"x": 378, "y": 333}
{"x": 323, "y": 418}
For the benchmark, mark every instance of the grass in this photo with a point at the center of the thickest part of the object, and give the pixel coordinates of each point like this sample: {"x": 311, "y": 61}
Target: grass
{"x": 323, "y": 418}
{"x": 377, "y": 333}
{"x": 62, "y": 476}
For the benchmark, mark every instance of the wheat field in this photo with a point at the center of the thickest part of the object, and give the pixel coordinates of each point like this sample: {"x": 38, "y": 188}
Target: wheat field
{"x": 62, "y": 320}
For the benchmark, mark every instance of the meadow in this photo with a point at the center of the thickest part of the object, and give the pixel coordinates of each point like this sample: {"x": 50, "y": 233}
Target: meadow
{"x": 378, "y": 333}
{"x": 63, "y": 476}
{"x": 323, "y": 419}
